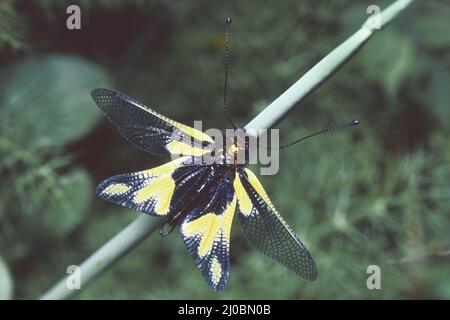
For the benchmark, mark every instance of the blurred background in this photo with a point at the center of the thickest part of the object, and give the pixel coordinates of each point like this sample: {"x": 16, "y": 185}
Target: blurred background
{"x": 375, "y": 195}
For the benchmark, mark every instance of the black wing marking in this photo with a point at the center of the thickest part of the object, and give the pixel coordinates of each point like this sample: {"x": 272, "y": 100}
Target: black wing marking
{"x": 149, "y": 130}
{"x": 267, "y": 230}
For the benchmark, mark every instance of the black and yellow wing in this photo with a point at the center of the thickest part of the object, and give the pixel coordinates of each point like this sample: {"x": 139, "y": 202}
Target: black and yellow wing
{"x": 201, "y": 197}
{"x": 266, "y": 229}
{"x": 206, "y": 228}
{"x": 149, "y": 130}
{"x": 151, "y": 191}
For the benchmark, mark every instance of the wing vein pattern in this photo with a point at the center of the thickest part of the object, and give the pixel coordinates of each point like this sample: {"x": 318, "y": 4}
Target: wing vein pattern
{"x": 267, "y": 230}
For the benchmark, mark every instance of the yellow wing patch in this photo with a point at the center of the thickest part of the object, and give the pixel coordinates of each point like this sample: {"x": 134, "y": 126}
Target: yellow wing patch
{"x": 160, "y": 191}
{"x": 257, "y": 186}
{"x": 116, "y": 189}
{"x": 160, "y": 188}
{"x": 210, "y": 227}
{"x": 245, "y": 204}
{"x": 148, "y": 191}
{"x": 216, "y": 271}
{"x": 178, "y": 147}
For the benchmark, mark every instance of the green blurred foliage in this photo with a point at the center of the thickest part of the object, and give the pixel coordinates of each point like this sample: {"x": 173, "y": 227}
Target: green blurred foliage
{"x": 12, "y": 32}
{"x": 371, "y": 195}
{"x": 55, "y": 87}
{"x": 45, "y": 194}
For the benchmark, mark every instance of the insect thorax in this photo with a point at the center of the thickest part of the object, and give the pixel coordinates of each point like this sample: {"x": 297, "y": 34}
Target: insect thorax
{"x": 232, "y": 149}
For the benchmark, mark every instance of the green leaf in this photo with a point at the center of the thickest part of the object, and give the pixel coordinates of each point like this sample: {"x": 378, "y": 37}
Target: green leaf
{"x": 390, "y": 59}
{"x": 47, "y": 102}
{"x": 69, "y": 202}
{"x": 432, "y": 28}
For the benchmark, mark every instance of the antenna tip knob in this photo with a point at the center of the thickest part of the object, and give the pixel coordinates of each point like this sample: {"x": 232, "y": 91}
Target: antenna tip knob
{"x": 228, "y": 21}
{"x": 355, "y": 122}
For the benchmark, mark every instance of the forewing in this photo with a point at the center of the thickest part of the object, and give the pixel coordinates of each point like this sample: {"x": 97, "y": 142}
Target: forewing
{"x": 150, "y": 191}
{"x": 149, "y": 130}
{"x": 206, "y": 231}
{"x": 267, "y": 230}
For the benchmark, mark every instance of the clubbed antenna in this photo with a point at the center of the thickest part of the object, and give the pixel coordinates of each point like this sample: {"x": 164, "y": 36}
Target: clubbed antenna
{"x": 333, "y": 128}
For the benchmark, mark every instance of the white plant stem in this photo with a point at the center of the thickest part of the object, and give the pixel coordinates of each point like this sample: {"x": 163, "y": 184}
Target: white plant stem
{"x": 143, "y": 226}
